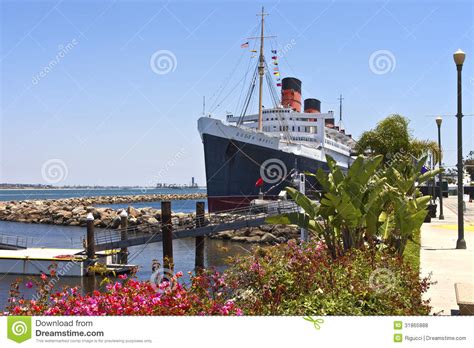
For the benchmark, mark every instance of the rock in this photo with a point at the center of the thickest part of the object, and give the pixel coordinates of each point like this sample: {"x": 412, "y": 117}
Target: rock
{"x": 253, "y": 239}
{"x": 115, "y": 222}
{"x": 256, "y": 232}
{"x": 132, "y": 212}
{"x": 225, "y": 234}
{"x": 267, "y": 228}
{"x": 268, "y": 238}
{"x": 78, "y": 211}
{"x": 245, "y": 239}
{"x": 64, "y": 214}
{"x": 152, "y": 221}
{"x": 239, "y": 239}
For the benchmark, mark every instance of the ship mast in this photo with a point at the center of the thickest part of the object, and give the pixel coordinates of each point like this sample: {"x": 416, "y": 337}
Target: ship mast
{"x": 261, "y": 72}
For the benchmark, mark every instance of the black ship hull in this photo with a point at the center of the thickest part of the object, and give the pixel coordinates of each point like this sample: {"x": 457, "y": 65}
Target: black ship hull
{"x": 236, "y": 172}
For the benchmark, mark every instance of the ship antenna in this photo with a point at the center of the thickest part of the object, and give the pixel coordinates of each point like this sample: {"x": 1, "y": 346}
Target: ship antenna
{"x": 261, "y": 72}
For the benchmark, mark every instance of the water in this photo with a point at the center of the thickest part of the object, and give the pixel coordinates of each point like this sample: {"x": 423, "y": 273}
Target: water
{"x": 53, "y": 236}
{"x": 216, "y": 252}
{"x": 18, "y": 195}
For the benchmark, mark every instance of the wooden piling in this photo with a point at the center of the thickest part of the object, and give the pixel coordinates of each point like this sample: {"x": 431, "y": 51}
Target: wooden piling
{"x": 167, "y": 231}
{"x": 90, "y": 247}
{"x": 123, "y": 256}
{"x": 199, "y": 256}
{"x": 89, "y": 284}
{"x": 90, "y": 244}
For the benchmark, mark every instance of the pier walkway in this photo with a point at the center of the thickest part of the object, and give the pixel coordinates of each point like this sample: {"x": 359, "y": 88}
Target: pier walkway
{"x": 440, "y": 258}
{"x": 212, "y": 223}
{"x": 8, "y": 242}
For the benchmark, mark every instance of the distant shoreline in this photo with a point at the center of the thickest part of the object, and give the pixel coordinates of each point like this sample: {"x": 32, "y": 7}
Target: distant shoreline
{"x": 98, "y": 188}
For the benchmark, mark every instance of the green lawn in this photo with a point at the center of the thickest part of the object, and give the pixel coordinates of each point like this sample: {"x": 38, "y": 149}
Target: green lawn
{"x": 412, "y": 251}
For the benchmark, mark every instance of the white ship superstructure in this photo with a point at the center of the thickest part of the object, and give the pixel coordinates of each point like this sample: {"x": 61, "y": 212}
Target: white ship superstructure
{"x": 289, "y": 137}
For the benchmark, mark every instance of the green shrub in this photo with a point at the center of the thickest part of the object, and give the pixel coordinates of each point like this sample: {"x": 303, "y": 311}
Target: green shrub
{"x": 294, "y": 279}
{"x": 369, "y": 202}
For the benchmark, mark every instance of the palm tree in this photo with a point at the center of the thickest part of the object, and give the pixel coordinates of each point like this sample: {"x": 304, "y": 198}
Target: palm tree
{"x": 392, "y": 138}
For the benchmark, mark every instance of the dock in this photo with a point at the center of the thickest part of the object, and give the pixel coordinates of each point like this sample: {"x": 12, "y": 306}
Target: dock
{"x": 109, "y": 248}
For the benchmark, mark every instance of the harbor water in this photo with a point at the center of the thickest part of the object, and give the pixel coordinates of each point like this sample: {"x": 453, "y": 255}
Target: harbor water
{"x": 217, "y": 252}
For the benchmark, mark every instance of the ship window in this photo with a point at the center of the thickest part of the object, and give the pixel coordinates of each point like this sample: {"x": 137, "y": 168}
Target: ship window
{"x": 293, "y": 128}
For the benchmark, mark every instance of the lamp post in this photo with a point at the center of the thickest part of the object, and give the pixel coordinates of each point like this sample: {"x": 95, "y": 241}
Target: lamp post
{"x": 439, "y": 120}
{"x": 459, "y": 57}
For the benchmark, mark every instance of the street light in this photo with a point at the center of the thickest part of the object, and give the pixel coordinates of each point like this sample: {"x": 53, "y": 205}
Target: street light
{"x": 459, "y": 57}
{"x": 439, "y": 120}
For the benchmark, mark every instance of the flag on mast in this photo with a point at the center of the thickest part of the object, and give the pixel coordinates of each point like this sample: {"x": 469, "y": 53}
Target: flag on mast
{"x": 244, "y": 45}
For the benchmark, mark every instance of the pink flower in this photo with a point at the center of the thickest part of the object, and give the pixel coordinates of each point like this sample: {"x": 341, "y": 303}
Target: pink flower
{"x": 29, "y": 284}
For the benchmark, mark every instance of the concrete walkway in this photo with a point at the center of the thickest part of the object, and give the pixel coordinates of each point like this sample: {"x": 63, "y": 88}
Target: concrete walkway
{"x": 439, "y": 257}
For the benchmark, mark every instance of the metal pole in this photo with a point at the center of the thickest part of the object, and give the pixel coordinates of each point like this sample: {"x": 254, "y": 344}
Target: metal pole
{"x": 261, "y": 72}
{"x": 200, "y": 240}
{"x": 167, "y": 231}
{"x": 460, "y": 243}
{"x": 123, "y": 236}
{"x": 441, "y": 215}
{"x": 302, "y": 189}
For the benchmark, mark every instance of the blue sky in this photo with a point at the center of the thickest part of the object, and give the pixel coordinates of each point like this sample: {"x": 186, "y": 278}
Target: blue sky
{"x": 78, "y": 89}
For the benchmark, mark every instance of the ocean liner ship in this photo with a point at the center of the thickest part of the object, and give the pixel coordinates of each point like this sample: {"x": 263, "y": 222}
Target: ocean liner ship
{"x": 251, "y": 156}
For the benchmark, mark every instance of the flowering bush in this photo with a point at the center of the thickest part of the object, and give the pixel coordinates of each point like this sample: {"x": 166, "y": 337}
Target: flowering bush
{"x": 294, "y": 279}
{"x": 286, "y": 279}
{"x": 130, "y": 297}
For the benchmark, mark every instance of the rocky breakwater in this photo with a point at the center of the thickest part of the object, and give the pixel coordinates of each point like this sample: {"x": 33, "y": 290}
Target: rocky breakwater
{"x": 266, "y": 234}
{"x": 73, "y": 211}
